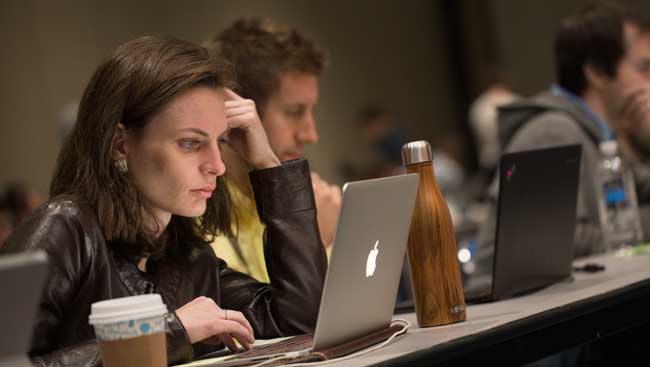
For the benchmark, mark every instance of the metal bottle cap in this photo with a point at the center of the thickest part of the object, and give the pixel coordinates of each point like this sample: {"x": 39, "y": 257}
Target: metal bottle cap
{"x": 416, "y": 152}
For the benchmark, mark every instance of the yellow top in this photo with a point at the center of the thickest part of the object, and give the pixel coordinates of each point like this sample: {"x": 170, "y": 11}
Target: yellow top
{"x": 248, "y": 231}
{"x": 245, "y": 252}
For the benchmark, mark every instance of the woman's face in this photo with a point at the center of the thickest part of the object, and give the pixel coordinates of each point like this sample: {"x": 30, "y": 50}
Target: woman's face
{"x": 175, "y": 161}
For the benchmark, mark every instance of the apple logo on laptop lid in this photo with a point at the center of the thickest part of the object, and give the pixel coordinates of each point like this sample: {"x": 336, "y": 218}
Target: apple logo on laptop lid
{"x": 371, "y": 264}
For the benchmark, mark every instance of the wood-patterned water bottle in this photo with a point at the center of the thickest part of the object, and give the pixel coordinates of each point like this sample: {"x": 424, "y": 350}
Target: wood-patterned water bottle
{"x": 435, "y": 275}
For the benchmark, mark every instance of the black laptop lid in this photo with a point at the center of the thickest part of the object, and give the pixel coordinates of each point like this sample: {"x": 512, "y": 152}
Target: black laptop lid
{"x": 22, "y": 277}
{"x": 536, "y": 219}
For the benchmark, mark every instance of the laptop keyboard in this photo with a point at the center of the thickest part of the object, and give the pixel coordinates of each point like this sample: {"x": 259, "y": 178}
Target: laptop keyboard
{"x": 293, "y": 344}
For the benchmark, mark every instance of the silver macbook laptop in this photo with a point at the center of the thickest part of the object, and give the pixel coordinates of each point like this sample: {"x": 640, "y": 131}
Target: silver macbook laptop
{"x": 365, "y": 264}
{"x": 21, "y": 278}
{"x": 366, "y": 260}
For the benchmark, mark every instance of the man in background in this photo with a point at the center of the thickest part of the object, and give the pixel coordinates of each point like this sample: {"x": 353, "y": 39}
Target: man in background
{"x": 278, "y": 68}
{"x": 602, "y": 62}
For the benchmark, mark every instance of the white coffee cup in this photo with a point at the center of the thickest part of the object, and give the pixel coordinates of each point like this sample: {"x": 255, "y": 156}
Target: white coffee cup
{"x": 131, "y": 330}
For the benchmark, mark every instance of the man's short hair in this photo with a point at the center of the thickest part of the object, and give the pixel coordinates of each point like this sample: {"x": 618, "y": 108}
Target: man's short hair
{"x": 260, "y": 51}
{"x": 594, "y": 36}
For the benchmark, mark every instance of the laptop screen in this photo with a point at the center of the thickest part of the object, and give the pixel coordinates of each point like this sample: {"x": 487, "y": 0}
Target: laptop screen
{"x": 367, "y": 257}
{"x": 21, "y": 282}
{"x": 535, "y": 219}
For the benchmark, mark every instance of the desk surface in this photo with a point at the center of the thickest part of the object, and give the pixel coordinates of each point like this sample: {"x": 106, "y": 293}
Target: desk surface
{"x": 522, "y": 329}
{"x": 590, "y": 306}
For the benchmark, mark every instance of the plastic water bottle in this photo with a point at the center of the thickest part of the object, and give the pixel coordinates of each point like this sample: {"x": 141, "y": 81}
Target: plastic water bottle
{"x": 618, "y": 206}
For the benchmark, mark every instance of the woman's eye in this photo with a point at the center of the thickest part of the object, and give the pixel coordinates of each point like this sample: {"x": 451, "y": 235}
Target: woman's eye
{"x": 224, "y": 138}
{"x": 189, "y": 145}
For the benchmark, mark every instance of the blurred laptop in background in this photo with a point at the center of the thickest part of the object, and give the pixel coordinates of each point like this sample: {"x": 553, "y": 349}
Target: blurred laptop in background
{"x": 22, "y": 277}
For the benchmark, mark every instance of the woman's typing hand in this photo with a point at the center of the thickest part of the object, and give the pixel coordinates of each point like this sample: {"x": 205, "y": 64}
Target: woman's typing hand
{"x": 205, "y": 321}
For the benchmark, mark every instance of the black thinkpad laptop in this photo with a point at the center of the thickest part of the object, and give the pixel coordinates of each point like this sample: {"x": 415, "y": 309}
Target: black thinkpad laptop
{"x": 535, "y": 223}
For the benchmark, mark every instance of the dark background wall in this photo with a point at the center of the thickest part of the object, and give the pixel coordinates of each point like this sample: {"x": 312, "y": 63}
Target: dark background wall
{"x": 421, "y": 58}
{"x": 388, "y": 51}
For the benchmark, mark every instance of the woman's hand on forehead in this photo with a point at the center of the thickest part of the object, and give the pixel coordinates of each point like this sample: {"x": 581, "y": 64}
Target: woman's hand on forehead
{"x": 247, "y": 136}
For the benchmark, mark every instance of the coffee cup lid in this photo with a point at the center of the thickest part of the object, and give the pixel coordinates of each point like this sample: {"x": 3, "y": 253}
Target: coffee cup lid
{"x": 126, "y": 308}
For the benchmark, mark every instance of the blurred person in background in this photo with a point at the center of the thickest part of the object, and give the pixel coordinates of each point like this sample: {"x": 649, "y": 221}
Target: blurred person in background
{"x": 602, "y": 63}
{"x": 17, "y": 202}
{"x": 483, "y": 121}
{"x": 386, "y": 139}
{"x": 5, "y": 227}
{"x": 278, "y": 68}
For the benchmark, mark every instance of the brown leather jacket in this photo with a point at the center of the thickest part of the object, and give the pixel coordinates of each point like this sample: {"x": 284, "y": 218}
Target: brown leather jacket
{"x": 85, "y": 269}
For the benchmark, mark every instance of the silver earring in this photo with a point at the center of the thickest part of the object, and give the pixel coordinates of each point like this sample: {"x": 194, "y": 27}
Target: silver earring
{"x": 121, "y": 165}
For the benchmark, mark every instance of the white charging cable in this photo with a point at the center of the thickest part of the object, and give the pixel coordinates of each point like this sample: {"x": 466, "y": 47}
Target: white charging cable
{"x": 290, "y": 355}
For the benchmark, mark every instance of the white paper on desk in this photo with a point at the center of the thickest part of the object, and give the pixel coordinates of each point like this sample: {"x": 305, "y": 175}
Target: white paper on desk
{"x": 209, "y": 361}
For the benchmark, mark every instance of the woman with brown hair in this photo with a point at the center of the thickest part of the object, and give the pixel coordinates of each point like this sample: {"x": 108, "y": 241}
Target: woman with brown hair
{"x": 137, "y": 195}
